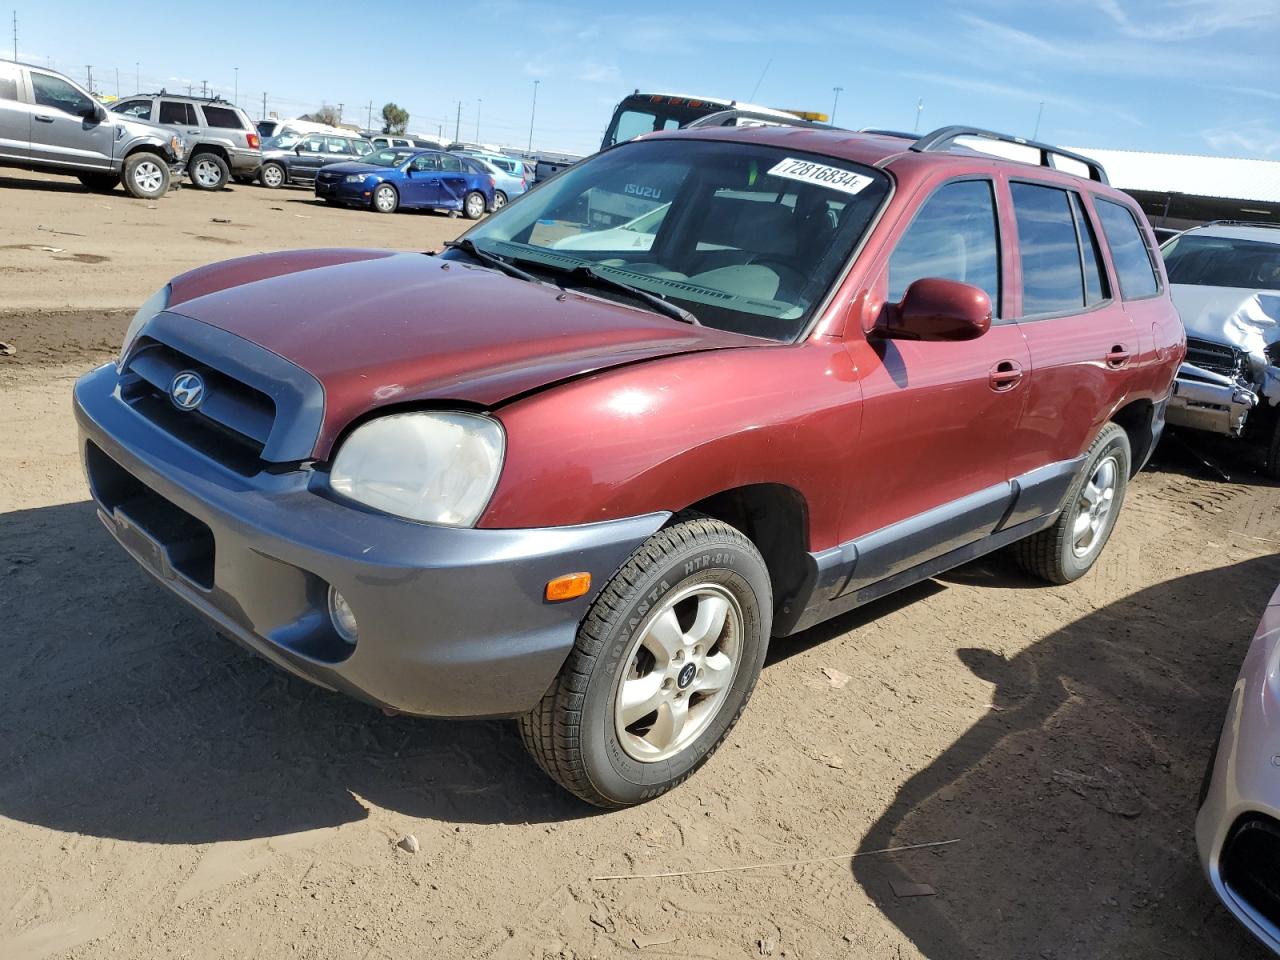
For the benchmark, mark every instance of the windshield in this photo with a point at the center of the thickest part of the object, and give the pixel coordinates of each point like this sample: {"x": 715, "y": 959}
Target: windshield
{"x": 392, "y": 157}
{"x": 1223, "y": 262}
{"x": 748, "y": 238}
{"x": 647, "y": 113}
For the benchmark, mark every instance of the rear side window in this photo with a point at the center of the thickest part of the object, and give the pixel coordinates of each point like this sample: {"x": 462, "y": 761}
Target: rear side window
{"x": 222, "y": 118}
{"x": 1052, "y": 275}
{"x": 450, "y": 163}
{"x": 8, "y": 82}
{"x": 953, "y": 237}
{"x": 176, "y": 112}
{"x": 1129, "y": 252}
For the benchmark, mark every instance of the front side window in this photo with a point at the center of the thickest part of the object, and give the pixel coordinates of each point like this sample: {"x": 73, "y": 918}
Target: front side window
{"x": 1129, "y": 250}
{"x": 1197, "y": 259}
{"x": 1052, "y": 275}
{"x": 338, "y": 145}
{"x": 134, "y": 108}
{"x": 222, "y": 118}
{"x": 58, "y": 94}
{"x": 388, "y": 158}
{"x": 746, "y": 237}
{"x": 428, "y": 161}
{"x": 953, "y": 237}
{"x": 177, "y": 113}
{"x": 313, "y": 145}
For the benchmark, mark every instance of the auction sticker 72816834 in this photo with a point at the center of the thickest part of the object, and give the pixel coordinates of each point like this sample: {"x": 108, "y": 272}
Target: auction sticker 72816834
{"x": 807, "y": 171}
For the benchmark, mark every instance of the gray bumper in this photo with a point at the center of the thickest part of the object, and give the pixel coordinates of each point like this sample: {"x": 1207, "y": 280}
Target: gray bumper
{"x": 245, "y": 163}
{"x": 1244, "y": 780}
{"x": 1210, "y": 401}
{"x": 452, "y": 622}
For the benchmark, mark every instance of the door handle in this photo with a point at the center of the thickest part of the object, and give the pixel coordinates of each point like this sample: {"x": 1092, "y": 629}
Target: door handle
{"x": 1118, "y": 356}
{"x": 44, "y": 118}
{"x": 1005, "y": 375}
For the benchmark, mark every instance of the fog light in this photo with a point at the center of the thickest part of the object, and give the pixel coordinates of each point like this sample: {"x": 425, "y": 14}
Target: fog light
{"x": 344, "y": 621}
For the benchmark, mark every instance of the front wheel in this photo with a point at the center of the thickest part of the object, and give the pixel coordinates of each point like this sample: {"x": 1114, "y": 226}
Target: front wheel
{"x": 473, "y": 205}
{"x": 1067, "y": 550}
{"x": 146, "y": 176}
{"x": 663, "y": 664}
{"x": 385, "y": 198}
{"x": 272, "y": 175}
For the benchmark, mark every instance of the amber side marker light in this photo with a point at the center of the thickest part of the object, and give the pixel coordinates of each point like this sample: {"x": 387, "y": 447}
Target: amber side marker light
{"x": 568, "y": 586}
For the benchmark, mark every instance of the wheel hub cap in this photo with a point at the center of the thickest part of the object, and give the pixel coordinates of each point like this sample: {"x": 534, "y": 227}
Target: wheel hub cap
{"x": 1094, "y": 507}
{"x": 678, "y": 672}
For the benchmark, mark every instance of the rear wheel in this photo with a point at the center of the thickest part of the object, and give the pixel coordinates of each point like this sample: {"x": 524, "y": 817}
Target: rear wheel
{"x": 662, "y": 667}
{"x": 385, "y": 199}
{"x": 208, "y": 171}
{"x": 499, "y": 200}
{"x": 473, "y": 205}
{"x": 146, "y": 176}
{"x": 272, "y": 175}
{"x": 1067, "y": 550}
{"x": 99, "y": 182}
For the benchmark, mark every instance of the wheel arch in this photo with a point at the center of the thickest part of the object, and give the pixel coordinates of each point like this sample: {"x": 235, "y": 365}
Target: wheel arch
{"x": 1136, "y": 418}
{"x": 774, "y": 517}
{"x": 215, "y": 148}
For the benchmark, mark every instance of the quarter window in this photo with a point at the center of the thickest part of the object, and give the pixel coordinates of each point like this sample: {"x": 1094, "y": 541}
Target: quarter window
{"x": 57, "y": 93}
{"x": 1129, "y": 252}
{"x": 177, "y": 113}
{"x": 222, "y": 118}
{"x": 8, "y": 82}
{"x": 1052, "y": 274}
{"x": 1095, "y": 278}
{"x": 953, "y": 237}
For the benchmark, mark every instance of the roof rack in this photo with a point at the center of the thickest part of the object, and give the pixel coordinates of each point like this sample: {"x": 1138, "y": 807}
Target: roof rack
{"x": 216, "y": 98}
{"x": 1241, "y": 223}
{"x": 941, "y": 140}
{"x": 877, "y": 132}
{"x": 725, "y": 118}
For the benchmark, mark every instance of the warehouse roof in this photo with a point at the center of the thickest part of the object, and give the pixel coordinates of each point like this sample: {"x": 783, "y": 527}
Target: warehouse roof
{"x": 1226, "y": 177}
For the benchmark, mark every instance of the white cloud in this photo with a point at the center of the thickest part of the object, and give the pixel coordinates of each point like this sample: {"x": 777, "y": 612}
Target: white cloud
{"x": 1190, "y": 19}
{"x": 1256, "y": 138}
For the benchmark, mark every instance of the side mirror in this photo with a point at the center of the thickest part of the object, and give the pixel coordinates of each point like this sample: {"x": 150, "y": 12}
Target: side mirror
{"x": 937, "y": 309}
{"x": 97, "y": 113}
{"x": 298, "y": 149}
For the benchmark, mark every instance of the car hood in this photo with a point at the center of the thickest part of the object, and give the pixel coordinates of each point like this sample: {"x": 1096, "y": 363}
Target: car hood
{"x": 1248, "y": 319}
{"x": 378, "y": 329}
{"x": 355, "y": 166}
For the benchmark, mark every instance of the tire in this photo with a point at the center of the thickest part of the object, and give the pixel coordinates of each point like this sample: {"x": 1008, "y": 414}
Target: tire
{"x": 273, "y": 175}
{"x": 385, "y": 199}
{"x": 146, "y": 176}
{"x": 499, "y": 200}
{"x": 208, "y": 171}
{"x": 1061, "y": 554}
{"x": 473, "y": 205}
{"x": 99, "y": 182}
{"x": 687, "y": 570}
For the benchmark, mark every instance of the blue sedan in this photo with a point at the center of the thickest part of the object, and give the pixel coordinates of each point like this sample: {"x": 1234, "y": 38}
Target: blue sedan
{"x": 410, "y": 179}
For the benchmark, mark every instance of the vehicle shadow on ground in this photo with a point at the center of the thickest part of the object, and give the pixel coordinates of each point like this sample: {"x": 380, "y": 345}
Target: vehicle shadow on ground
{"x": 123, "y": 715}
{"x": 55, "y": 186}
{"x": 1092, "y": 753}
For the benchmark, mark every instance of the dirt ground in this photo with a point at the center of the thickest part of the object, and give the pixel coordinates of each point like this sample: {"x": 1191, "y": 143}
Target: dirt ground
{"x": 164, "y": 794}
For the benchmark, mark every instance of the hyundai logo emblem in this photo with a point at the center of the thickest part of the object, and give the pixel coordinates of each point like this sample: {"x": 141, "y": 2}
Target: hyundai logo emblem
{"x": 187, "y": 390}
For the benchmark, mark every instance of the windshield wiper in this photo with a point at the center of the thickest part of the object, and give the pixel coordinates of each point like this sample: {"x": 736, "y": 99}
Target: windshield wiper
{"x": 590, "y": 277}
{"x": 468, "y": 246}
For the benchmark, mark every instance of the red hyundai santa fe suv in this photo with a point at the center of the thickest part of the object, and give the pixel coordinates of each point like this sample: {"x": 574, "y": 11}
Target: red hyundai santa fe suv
{"x": 698, "y": 392}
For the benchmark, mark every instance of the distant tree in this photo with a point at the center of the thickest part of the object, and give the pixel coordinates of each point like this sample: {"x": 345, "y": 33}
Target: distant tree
{"x": 395, "y": 119}
{"x": 327, "y": 114}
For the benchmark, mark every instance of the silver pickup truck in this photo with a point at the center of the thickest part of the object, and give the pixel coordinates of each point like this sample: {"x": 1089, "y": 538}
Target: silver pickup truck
{"x": 49, "y": 122}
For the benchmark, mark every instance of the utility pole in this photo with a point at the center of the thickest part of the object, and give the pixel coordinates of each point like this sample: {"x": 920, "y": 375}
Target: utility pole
{"x": 117, "y": 83}
{"x": 919, "y": 110}
{"x": 340, "y": 113}
{"x": 235, "y": 97}
{"x": 478, "y": 102}
{"x": 834, "y": 103}
{"x": 1039, "y": 117}
{"x": 204, "y": 88}
{"x": 15, "y": 35}
{"x": 188, "y": 89}
{"x": 368, "y": 120}
{"x": 457, "y": 123}
{"x": 137, "y": 76}
{"x": 88, "y": 77}
{"x": 533, "y": 110}
{"x": 264, "y": 104}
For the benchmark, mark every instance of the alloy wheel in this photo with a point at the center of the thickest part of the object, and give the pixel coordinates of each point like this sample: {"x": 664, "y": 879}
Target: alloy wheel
{"x": 207, "y": 173}
{"x": 678, "y": 672}
{"x": 1094, "y": 507}
{"x": 148, "y": 176}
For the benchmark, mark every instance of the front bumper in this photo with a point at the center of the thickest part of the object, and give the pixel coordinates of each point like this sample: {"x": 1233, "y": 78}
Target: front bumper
{"x": 358, "y": 193}
{"x": 1244, "y": 780}
{"x": 1206, "y": 400}
{"x": 452, "y": 622}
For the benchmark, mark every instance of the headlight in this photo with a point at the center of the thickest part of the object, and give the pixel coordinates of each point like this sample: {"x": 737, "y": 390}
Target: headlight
{"x": 434, "y": 467}
{"x": 355, "y": 177}
{"x": 150, "y": 307}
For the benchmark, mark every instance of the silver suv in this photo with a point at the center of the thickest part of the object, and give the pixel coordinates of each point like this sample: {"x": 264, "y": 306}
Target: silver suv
{"x": 222, "y": 141}
{"x": 49, "y": 122}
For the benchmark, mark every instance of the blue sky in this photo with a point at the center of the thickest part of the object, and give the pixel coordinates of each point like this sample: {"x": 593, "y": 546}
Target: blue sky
{"x": 1191, "y": 76}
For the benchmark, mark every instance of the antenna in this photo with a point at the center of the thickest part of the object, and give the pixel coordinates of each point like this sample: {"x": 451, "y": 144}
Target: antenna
{"x": 838, "y": 91}
{"x": 919, "y": 110}
{"x": 1039, "y": 117}
{"x": 767, "y": 65}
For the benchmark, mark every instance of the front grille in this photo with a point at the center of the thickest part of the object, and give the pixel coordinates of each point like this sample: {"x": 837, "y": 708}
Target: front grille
{"x": 1250, "y": 865}
{"x": 232, "y": 423}
{"x": 186, "y": 541}
{"x": 1217, "y": 357}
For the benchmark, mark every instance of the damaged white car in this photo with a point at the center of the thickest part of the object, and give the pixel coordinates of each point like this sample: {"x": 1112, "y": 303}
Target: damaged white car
{"x": 1225, "y": 282}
